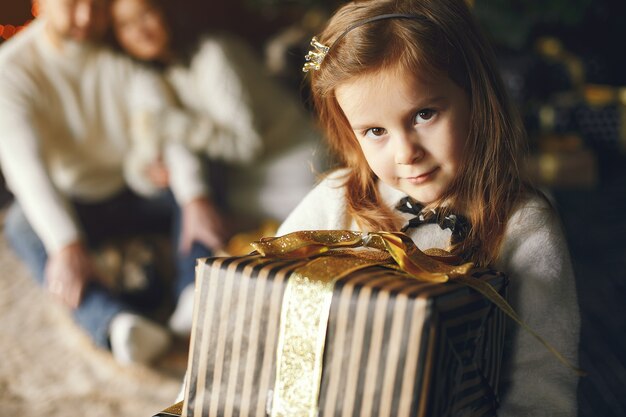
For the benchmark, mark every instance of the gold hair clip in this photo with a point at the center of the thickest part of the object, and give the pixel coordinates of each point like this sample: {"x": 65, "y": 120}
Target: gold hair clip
{"x": 315, "y": 57}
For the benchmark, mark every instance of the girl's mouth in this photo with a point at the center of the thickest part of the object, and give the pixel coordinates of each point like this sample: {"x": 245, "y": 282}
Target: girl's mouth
{"x": 421, "y": 179}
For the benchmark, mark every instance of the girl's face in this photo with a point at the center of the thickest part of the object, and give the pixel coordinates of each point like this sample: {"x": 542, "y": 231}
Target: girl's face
{"x": 140, "y": 29}
{"x": 412, "y": 131}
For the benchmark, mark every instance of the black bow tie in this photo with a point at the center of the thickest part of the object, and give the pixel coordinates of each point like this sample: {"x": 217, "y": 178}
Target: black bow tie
{"x": 457, "y": 224}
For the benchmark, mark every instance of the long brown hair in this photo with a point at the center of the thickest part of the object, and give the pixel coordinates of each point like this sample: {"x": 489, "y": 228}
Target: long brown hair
{"x": 443, "y": 38}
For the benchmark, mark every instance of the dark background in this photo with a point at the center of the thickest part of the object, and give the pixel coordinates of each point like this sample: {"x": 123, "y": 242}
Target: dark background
{"x": 578, "y": 87}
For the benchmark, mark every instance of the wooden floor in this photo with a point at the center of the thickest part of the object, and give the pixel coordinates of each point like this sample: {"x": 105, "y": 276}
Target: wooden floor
{"x": 595, "y": 223}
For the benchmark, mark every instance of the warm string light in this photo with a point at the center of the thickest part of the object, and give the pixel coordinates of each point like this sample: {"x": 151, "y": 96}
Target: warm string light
{"x": 7, "y": 31}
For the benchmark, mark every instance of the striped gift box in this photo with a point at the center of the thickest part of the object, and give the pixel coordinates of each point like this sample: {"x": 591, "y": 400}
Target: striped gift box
{"x": 394, "y": 346}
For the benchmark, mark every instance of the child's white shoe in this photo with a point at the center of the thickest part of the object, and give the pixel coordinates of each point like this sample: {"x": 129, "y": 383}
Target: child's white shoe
{"x": 182, "y": 318}
{"x": 135, "y": 339}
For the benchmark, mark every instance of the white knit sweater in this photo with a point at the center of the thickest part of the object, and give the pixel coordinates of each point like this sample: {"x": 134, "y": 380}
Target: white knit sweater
{"x": 234, "y": 111}
{"x": 542, "y": 290}
{"x": 64, "y": 129}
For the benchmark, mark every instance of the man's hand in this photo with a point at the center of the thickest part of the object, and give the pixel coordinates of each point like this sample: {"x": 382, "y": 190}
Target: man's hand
{"x": 202, "y": 223}
{"x": 67, "y": 273}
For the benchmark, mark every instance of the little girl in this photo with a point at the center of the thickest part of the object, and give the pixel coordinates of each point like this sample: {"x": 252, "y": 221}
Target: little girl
{"x": 413, "y": 106}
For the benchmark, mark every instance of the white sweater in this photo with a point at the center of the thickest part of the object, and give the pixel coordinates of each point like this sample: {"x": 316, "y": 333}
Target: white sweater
{"x": 234, "y": 111}
{"x": 64, "y": 129}
{"x": 251, "y": 114}
{"x": 541, "y": 289}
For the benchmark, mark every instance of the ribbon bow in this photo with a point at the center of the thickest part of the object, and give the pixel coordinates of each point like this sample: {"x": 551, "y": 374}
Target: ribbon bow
{"x": 458, "y": 224}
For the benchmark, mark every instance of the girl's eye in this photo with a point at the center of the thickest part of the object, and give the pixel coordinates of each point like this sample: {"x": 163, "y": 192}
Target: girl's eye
{"x": 375, "y": 132}
{"x": 423, "y": 116}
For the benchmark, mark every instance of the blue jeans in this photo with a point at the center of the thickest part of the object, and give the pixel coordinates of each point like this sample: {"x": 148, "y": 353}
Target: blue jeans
{"x": 123, "y": 215}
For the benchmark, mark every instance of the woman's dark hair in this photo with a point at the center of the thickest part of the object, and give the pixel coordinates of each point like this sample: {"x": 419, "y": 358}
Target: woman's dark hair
{"x": 184, "y": 25}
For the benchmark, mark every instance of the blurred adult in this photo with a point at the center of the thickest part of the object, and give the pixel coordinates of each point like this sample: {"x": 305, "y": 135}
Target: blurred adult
{"x": 246, "y": 117}
{"x": 65, "y": 102}
{"x": 242, "y": 115}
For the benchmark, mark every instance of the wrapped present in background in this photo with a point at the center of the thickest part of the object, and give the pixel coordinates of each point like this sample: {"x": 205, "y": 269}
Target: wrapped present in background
{"x": 138, "y": 270}
{"x": 563, "y": 161}
{"x": 561, "y": 96}
{"x": 374, "y": 342}
{"x": 597, "y": 113}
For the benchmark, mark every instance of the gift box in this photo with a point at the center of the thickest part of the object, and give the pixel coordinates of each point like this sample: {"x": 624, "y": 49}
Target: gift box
{"x": 371, "y": 340}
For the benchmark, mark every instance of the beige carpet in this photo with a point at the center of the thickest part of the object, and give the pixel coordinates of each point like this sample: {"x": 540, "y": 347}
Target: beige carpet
{"x": 48, "y": 367}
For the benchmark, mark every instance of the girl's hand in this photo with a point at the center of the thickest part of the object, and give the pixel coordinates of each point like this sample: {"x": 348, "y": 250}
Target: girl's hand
{"x": 67, "y": 272}
{"x": 202, "y": 223}
{"x": 157, "y": 173}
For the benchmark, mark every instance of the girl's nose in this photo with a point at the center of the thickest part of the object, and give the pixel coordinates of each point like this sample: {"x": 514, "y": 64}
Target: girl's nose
{"x": 408, "y": 149}
{"x": 83, "y": 14}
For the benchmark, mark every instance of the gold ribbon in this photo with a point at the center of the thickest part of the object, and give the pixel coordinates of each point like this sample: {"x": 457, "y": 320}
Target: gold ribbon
{"x": 306, "y": 303}
{"x": 302, "y": 335}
